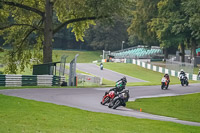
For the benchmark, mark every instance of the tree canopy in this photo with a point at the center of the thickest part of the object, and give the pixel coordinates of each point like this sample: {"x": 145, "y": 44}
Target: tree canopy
{"x": 29, "y": 25}
{"x": 170, "y": 22}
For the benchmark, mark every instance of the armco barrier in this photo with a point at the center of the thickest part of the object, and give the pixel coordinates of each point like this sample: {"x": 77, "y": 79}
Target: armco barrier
{"x": 44, "y": 80}
{"x": 2, "y": 80}
{"x": 30, "y": 80}
{"x": 160, "y": 69}
{"x": 13, "y": 80}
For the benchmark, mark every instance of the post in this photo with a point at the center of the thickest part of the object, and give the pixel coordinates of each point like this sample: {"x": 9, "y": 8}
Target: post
{"x": 72, "y": 72}
{"x": 123, "y": 44}
{"x": 103, "y": 54}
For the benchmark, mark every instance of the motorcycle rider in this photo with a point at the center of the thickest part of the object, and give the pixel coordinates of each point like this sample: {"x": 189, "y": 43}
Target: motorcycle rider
{"x": 167, "y": 78}
{"x": 120, "y": 85}
{"x": 182, "y": 73}
{"x": 101, "y": 66}
{"x": 183, "y": 78}
{"x": 199, "y": 74}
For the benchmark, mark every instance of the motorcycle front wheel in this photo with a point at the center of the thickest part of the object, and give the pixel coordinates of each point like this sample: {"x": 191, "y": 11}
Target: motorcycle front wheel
{"x": 106, "y": 100}
{"x": 162, "y": 86}
{"x": 182, "y": 83}
{"x": 117, "y": 104}
{"x": 187, "y": 83}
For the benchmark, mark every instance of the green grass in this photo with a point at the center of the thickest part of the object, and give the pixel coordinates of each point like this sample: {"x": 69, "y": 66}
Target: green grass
{"x": 185, "y": 107}
{"x": 108, "y": 82}
{"x": 133, "y": 70}
{"x": 84, "y": 57}
{"x": 196, "y": 70}
{"x": 38, "y": 87}
{"x": 19, "y": 115}
{"x": 25, "y": 87}
{"x": 162, "y": 64}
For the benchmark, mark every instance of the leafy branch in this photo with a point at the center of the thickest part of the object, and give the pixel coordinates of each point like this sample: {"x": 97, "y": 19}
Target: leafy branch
{"x": 23, "y": 7}
{"x": 76, "y": 20}
{"x": 11, "y": 25}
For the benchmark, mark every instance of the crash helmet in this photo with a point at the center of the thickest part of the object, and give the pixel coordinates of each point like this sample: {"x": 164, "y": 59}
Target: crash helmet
{"x": 181, "y": 70}
{"x": 124, "y": 79}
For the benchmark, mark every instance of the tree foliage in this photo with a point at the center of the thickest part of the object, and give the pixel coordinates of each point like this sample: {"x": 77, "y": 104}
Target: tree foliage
{"x": 22, "y": 21}
{"x": 171, "y": 22}
{"x": 108, "y": 37}
{"x": 143, "y": 12}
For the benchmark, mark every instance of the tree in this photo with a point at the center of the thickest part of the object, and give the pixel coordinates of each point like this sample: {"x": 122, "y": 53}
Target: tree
{"x": 169, "y": 25}
{"x": 192, "y": 11}
{"x": 107, "y": 36}
{"x": 143, "y": 12}
{"x": 176, "y": 24}
{"x": 22, "y": 19}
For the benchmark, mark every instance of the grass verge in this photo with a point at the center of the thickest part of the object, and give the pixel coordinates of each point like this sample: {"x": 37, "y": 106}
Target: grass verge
{"x": 20, "y": 115}
{"x": 84, "y": 57}
{"x": 133, "y": 70}
{"x": 185, "y": 107}
{"x": 38, "y": 87}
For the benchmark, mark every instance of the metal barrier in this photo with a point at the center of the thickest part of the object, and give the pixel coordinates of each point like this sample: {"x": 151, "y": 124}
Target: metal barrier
{"x": 30, "y": 80}
{"x": 2, "y": 80}
{"x": 171, "y": 72}
{"x": 13, "y": 80}
{"x": 177, "y": 66}
{"x": 44, "y": 80}
{"x": 85, "y": 80}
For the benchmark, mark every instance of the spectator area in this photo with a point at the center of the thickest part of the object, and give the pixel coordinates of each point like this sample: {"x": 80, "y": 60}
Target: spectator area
{"x": 198, "y": 51}
{"x": 137, "y": 52}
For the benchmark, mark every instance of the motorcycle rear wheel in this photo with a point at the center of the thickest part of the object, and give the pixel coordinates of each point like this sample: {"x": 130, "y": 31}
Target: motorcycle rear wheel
{"x": 162, "y": 86}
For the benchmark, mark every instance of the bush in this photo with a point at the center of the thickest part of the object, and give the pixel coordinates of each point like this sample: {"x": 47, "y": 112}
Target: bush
{"x": 1, "y": 49}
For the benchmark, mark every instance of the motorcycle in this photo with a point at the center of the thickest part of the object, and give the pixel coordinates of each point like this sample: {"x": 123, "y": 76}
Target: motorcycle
{"x": 164, "y": 83}
{"x": 184, "y": 80}
{"x": 119, "y": 100}
{"x": 108, "y": 97}
{"x": 101, "y": 67}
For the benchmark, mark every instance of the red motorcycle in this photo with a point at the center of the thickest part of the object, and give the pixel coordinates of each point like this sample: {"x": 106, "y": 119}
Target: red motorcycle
{"x": 108, "y": 97}
{"x": 164, "y": 83}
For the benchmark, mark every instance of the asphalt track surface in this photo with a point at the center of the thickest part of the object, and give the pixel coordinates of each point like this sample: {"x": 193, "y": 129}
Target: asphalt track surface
{"x": 89, "y": 98}
{"x": 105, "y": 73}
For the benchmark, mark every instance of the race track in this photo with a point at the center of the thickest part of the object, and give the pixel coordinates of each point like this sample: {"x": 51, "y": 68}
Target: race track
{"x": 105, "y": 73}
{"x": 89, "y": 98}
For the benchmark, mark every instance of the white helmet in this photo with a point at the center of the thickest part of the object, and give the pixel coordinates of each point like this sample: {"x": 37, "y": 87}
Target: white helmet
{"x": 181, "y": 70}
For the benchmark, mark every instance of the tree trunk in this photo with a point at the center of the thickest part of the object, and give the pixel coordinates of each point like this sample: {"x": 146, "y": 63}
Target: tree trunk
{"x": 194, "y": 52}
{"x": 48, "y": 33}
{"x": 165, "y": 54}
{"x": 182, "y": 52}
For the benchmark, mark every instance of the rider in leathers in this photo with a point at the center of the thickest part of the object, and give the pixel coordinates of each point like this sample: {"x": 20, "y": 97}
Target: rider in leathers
{"x": 120, "y": 85}
{"x": 182, "y": 72}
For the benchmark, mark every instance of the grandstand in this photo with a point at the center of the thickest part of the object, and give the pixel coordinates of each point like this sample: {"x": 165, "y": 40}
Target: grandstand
{"x": 198, "y": 51}
{"x": 137, "y": 52}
